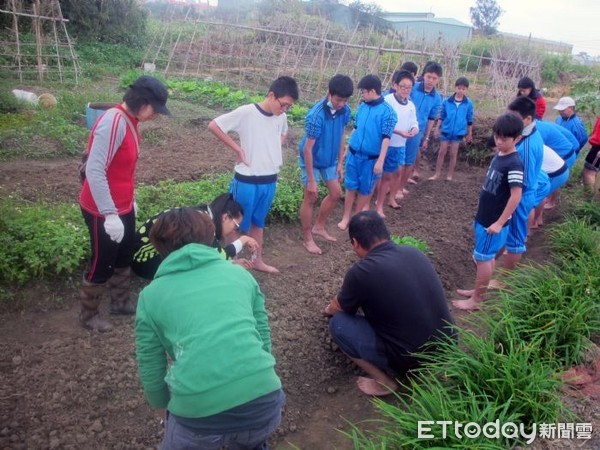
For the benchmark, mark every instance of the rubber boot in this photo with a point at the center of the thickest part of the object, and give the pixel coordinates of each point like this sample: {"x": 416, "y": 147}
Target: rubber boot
{"x": 90, "y": 296}
{"x": 118, "y": 286}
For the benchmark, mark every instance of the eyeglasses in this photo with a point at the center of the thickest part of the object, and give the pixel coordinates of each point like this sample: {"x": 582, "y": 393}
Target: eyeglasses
{"x": 235, "y": 222}
{"x": 284, "y": 106}
{"x": 405, "y": 86}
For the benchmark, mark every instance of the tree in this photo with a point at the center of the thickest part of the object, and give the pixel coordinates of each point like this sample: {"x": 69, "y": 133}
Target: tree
{"x": 485, "y": 15}
{"x": 110, "y": 21}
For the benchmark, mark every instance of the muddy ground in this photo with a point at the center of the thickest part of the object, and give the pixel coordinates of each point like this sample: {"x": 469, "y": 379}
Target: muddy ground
{"x": 63, "y": 387}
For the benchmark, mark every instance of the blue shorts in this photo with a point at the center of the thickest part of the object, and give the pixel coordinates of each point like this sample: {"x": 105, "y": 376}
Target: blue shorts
{"x": 393, "y": 159}
{"x": 451, "y": 138}
{"x": 412, "y": 148}
{"x": 487, "y": 244}
{"x": 359, "y": 174}
{"x": 571, "y": 160}
{"x": 543, "y": 188}
{"x": 517, "y": 228}
{"x": 357, "y": 339}
{"x": 328, "y": 174}
{"x": 559, "y": 181}
{"x": 256, "y": 200}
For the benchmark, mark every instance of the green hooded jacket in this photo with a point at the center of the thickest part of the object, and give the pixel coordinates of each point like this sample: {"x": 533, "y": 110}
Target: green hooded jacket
{"x": 203, "y": 342}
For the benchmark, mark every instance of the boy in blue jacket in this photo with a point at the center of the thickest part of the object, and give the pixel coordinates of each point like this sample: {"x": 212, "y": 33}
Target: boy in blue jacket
{"x": 455, "y": 124}
{"x": 373, "y": 126}
{"x": 321, "y": 157}
{"x": 428, "y": 101}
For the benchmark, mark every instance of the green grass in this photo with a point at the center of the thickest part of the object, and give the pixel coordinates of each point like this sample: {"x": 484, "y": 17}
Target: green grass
{"x": 477, "y": 381}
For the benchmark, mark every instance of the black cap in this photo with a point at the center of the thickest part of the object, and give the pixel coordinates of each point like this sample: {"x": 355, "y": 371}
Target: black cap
{"x": 155, "y": 92}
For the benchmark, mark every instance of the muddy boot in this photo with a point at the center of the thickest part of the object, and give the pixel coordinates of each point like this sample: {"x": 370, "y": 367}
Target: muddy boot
{"x": 90, "y": 296}
{"x": 118, "y": 286}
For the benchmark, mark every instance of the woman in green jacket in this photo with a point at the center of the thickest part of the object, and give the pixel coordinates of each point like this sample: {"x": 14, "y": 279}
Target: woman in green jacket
{"x": 207, "y": 317}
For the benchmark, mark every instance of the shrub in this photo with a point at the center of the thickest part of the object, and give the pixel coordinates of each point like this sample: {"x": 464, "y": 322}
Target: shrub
{"x": 167, "y": 194}
{"x": 39, "y": 240}
{"x": 411, "y": 241}
{"x": 473, "y": 51}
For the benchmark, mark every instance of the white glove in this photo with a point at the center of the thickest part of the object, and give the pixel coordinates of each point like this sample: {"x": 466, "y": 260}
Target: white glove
{"x": 114, "y": 227}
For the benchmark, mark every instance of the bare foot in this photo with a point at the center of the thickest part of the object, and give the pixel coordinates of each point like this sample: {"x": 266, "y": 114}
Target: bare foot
{"x": 466, "y": 305}
{"x": 433, "y": 177}
{"x": 405, "y": 191}
{"x": 495, "y": 284}
{"x": 312, "y": 247}
{"x": 262, "y": 267}
{"x": 343, "y": 225}
{"x": 413, "y": 180}
{"x": 371, "y": 387}
{"x": 324, "y": 234}
{"x": 393, "y": 205}
{"x": 448, "y": 178}
{"x": 399, "y": 196}
{"x": 465, "y": 292}
{"x": 380, "y": 212}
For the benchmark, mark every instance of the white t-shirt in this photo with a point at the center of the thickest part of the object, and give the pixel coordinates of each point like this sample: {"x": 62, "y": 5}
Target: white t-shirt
{"x": 407, "y": 119}
{"x": 551, "y": 161}
{"x": 260, "y": 137}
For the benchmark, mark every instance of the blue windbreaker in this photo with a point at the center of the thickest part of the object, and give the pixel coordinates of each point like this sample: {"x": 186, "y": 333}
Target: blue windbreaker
{"x": 327, "y": 130}
{"x": 456, "y": 120}
{"x": 374, "y": 121}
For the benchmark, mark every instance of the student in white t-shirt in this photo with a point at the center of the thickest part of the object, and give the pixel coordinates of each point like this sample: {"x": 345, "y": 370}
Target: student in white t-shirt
{"x": 261, "y": 127}
{"x": 407, "y": 126}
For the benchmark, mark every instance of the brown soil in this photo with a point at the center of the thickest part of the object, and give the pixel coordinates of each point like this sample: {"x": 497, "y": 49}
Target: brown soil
{"x": 66, "y": 388}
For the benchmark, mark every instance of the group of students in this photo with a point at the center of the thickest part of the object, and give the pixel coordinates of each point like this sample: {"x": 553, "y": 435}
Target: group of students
{"x": 239, "y": 389}
{"x": 532, "y": 162}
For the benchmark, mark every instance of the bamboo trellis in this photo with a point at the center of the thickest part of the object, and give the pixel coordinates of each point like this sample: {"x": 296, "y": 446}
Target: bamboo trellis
{"x": 252, "y": 56}
{"x": 51, "y": 55}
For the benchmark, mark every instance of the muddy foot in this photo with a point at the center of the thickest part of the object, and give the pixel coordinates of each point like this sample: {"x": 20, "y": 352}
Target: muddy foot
{"x": 466, "y": 305}
{"x": 312, "y": 247}
{"x": 371, "y": 387}
{"x": 324, "y": 234}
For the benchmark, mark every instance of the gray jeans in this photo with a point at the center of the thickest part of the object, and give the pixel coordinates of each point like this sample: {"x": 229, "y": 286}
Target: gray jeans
{"x": 178, "y": 437}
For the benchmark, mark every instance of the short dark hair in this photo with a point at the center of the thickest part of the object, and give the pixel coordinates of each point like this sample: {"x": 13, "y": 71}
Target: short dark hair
{"x": 224, "y": 204}
{"x": 370, "y": 82}
{"x": 400, "y": 75}
{"x": 462, "y": 81}
{"x": 410, "y": 66}
{"x": 284, "y": 86}
{"x": 433, "y": 67}
{"x": 524, "y": 106}
{"x": 147, "y": 90}
{"x": 178, "y": 227}
{"x": 508, "y": 125}
{"x": 368, "y": 228}
{"x": 526, "y": 83}
{"x": 341, "y": 86}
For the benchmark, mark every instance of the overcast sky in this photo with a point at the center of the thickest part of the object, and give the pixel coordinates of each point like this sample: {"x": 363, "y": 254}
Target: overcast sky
{"x": 576, "y": 22}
